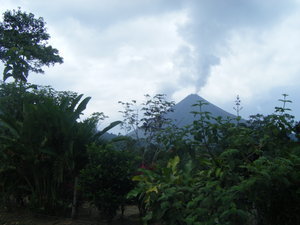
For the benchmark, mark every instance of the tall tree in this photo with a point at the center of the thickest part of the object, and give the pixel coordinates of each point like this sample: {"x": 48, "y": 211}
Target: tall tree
{"x": 23, "y": 45}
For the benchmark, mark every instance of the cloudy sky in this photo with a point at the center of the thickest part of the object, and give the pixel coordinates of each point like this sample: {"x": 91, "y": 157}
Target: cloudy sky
{"x": 122, "y": 49}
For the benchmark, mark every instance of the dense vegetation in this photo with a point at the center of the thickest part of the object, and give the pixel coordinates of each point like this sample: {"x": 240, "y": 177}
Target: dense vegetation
{"x": 227, "y": 172}
{"x": 214, "y": 171}
{"x": 43, "y": 145}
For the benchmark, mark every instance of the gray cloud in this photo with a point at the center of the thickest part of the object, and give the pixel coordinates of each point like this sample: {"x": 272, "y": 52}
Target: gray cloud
{"x": 100, "y": 13}
{"x": 211, "y": 25}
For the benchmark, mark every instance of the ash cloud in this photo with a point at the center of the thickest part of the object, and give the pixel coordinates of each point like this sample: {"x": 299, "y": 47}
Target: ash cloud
{"x": 210, "y": 27}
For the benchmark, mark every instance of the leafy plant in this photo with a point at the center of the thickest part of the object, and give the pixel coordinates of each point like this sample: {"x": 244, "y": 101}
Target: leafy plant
{"x": 150, "y": 124}
{"x": 43, "y": 145}
{"x": 164, "y": 191}
{"x": 106, "y": 179}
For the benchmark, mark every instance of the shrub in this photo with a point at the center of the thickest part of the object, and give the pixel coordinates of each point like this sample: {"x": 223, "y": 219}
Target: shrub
{"x": 106, "y": 180}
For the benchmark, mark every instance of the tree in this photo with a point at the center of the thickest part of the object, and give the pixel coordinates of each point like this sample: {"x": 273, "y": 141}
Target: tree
{"x": 155, "y": 110}
{"x": 131, "y": 115}
{"x": 238, "y": 106}
{"x": 153, "y": 125}
{"x": 43, "y": 145}
{"x": 23, "y": 45}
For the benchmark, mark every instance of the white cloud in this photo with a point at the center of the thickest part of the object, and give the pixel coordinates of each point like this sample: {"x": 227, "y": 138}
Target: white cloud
{"x": 258, "y": 63}
{"x": 240, "y": 47}
{"x": 123, "y": 62}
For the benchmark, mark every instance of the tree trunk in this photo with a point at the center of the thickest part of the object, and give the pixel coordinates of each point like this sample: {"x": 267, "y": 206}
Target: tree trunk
{"x": 74, "y": 204}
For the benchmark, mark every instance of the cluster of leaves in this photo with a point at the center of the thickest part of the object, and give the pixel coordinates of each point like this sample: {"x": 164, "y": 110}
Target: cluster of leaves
{"x": 226, "y": 172}
{"x": 163, "y": 192}
{"x": 155, "y": 110}
{"x": 148, "y": 124}
{"x": 106, "y": 179}
{"x": 23, "y": 45}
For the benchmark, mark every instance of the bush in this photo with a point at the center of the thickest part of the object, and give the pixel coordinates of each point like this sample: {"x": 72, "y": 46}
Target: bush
{"x": 106, "y": 180}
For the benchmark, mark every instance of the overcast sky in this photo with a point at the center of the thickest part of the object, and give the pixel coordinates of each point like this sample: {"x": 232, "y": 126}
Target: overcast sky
{"x": 122, "y": 49}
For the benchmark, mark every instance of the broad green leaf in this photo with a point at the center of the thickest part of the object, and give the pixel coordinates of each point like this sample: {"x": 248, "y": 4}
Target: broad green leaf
{"x": 173, "y": 163}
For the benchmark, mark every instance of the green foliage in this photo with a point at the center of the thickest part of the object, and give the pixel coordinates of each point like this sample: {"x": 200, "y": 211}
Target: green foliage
{"x": 165, "y": 191}
{"x": 215, "y": 171}
{"x": 106, "y": 179}
{"x": 238, "y": 106}
{"x": 155, "y": 109}
{"x": 149, "y": 124}
{"x": 131, "y": 121}
{"x": 239, "y": 173}
{"x": 149, "y": 118}
{"x": 43, "y": 144}
{"x": 23, "y": 45}
{"x": 284, "y": 101}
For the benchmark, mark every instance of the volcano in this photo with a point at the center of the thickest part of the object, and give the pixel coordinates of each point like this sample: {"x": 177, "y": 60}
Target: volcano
{"x": 182, "y": 115}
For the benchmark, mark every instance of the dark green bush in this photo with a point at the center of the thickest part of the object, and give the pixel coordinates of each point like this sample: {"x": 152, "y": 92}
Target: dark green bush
{"x": 106, "y": 180}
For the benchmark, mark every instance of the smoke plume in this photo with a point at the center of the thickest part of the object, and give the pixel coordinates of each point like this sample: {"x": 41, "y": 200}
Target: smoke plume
{"x": 210, "y": 27}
